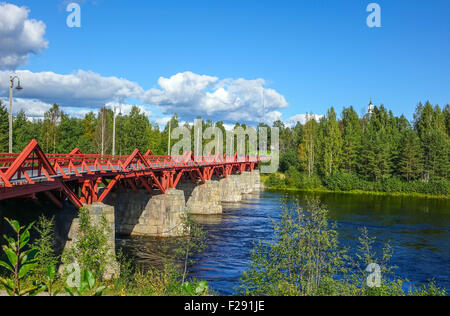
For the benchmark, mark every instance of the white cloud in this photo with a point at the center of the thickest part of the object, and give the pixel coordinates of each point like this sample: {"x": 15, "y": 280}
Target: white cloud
{"x": 190, "y": 95}
{"x": 79, "y": 89}
{"x": 125, "y": 109}
{"x": 19, "y": 36}
{"x": 302, "y": 118}
{"x": 32, "y": 108}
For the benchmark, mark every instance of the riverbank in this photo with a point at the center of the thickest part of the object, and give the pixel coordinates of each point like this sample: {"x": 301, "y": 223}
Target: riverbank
{"x": 286, "y": 188}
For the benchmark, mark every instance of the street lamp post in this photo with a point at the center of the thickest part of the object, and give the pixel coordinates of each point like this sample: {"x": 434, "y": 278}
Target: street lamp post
{"x": 11, "y": 86}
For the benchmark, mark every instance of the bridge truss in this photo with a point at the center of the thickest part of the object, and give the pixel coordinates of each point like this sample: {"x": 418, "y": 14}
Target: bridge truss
{"x": 78, "y": 177}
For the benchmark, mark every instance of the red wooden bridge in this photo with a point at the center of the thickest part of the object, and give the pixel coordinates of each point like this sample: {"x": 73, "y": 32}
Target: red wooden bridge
{"x": 77, "y": 176}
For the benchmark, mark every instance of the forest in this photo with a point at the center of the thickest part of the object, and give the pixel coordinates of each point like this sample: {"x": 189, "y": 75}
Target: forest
{"x": 377, "y": 152}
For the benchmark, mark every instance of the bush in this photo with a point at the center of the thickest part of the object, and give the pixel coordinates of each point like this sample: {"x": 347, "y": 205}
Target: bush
{"x": 45, "y": 244}
{"x": 275, "y": 181}
{"x": 342, "y": 181}
{"x": 309, "y": 183}
{"x": 304, "y": 257}
{"x": 91, "y": 249}
{"x": 289, "y": 160}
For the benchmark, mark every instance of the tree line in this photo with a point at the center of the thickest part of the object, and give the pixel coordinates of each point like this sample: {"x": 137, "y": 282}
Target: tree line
{"x": 378, "y": 147}
{"x": 59, "y": 133}
{"x": 375, "y": 147}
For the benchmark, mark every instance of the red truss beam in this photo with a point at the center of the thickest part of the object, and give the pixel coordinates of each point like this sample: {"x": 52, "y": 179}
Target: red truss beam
{"x": 78, "y": 175}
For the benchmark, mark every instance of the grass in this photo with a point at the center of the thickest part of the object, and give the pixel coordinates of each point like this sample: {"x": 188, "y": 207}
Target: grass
{"x": 285, "y": 188}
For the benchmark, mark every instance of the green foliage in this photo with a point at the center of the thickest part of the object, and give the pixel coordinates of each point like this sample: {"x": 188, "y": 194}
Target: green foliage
{"x": 195, "y": 289}
{"x": 50, "y": 280}
{"x": 378, "y": 152}
{"x": 4, "y": 127}
{"x": 91, "y": 249}
{"x": 44, "y": 243}
{"x": 288, "y": 160}
{"x": 305, "y": 258}
{"x": 274, "y": 181}
{"x": 21, "y": 259}
{"x": 302, "y": 258}
{"x": 193, "y": 243}
{"x": 86, "y": 287}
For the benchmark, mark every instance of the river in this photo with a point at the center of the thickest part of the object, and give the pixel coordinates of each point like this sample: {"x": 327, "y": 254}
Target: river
{"x": 417, "y": 229}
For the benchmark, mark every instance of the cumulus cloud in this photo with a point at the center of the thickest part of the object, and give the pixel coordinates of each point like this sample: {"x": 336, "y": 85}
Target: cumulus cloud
{"x": 190, "y": 94}
{"x": 302, "y": 118}
{"x": 125, "y": 109}
{"x": 19, "y": 36}
{"x": 33, "y": 108}
{"x": 79, "y": 89}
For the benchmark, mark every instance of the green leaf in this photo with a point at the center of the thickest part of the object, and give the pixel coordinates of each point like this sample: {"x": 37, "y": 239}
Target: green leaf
{"x": 6, "y": 266}
{"x": 69, "y": 291}
{"x": 14, "y": 225}
{"x": 24, "y": 239}
{"x": 33, "y": 291}
{"x": 25, "y": 269}
{"x": 11, "y": 242}
{"x": 82, "y": 288}
{"x": 90, "y": 279}
{"x": 28, "y": 256}
{"x": 12, "y": 257}
{"x": 4, "y": 282}
{"x": 202, "y": 288}
{"x": 29, "y": 226}
{"x": 51, "y": 273}
{"x": 99, "y": 291}
{"x": 187, "y": 288}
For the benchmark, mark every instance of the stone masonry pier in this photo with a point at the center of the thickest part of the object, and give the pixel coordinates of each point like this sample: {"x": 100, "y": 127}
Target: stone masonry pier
{"x": 161, "y": 215}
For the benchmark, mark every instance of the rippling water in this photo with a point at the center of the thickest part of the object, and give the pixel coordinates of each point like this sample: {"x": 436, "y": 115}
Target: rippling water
{"x": 418, "y": 230}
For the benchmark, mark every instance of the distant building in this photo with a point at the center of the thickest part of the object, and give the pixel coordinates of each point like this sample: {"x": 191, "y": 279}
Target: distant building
{"x": 370, "y": 108}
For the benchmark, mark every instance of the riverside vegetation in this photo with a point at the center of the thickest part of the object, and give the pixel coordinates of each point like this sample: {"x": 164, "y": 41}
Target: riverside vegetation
{"x": 303, "y": 258}
{"x": 378, "y": 153}
{"x": 31, "y": 269}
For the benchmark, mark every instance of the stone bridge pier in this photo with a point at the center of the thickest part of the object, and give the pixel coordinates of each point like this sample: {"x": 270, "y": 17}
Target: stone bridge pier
{"x": 161, "y": 215}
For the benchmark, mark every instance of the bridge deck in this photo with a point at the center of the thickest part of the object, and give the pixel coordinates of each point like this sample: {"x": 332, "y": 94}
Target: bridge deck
{"x": 77, "y": 176}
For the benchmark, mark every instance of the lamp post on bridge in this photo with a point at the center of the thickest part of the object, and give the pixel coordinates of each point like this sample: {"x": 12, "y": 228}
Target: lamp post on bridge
{"x": 11, "y": 87}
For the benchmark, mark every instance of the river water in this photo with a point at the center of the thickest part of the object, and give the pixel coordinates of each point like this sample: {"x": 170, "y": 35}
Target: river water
{"x": 417, "y": 229}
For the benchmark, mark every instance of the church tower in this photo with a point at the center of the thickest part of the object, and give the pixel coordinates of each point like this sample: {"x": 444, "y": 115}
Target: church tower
{"x": 371, "y": 107}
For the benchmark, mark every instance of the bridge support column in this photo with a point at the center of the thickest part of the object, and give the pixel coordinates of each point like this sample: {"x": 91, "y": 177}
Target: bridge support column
{"x": 230, "y": 190}
{"x": 67, "y": 230}
{"x": 258, "y": 186}
{"x": 205, "y": 199}
{"x": 139, "y": 214}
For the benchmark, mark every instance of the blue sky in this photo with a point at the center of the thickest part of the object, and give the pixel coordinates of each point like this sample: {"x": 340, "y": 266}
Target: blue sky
{"x": 315, "y": 53}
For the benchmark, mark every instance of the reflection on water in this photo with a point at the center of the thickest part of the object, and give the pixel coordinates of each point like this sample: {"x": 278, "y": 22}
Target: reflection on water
{"x": 418, "y": 230}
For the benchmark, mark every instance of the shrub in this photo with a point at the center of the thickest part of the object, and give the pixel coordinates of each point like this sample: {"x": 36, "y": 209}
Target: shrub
{"x": 44, "y": 243}
{"x": 91, "y": 249}
{"x": 275, "y": 181}
{"x": 309, "y": 183}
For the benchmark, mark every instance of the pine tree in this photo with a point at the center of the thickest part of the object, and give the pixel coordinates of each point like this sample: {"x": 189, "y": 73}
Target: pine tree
{"x": 410, "y": 160}
{"x": 309, "y": 143}
{"x": 351, "y": 146}
{"x": 4, "y": 128}
{"x": 70, "y": 133}
{"x": 23, "y": 132}
{"x": 430, "y": 125}
{"x": 447, "y": 119}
